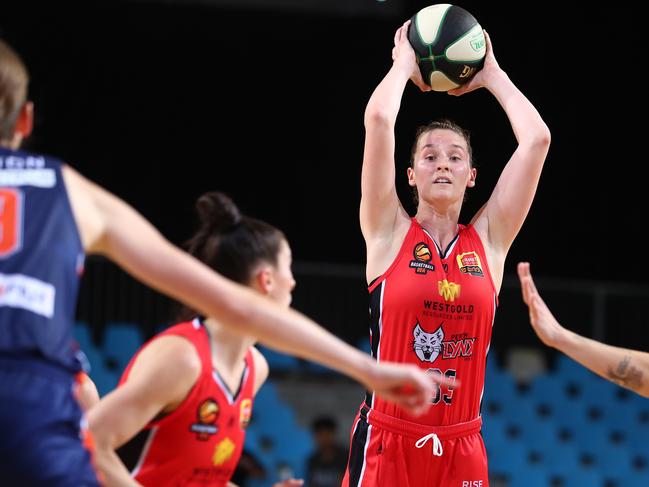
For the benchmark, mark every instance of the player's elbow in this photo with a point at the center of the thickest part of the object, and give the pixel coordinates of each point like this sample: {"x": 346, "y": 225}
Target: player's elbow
{"x": 378, "y": 116}
{"x": 541, "y": 137}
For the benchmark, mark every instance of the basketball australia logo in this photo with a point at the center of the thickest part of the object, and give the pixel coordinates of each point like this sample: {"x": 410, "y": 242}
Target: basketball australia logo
{"x": 422, "y": 256}
{"x": 207, "y": 414}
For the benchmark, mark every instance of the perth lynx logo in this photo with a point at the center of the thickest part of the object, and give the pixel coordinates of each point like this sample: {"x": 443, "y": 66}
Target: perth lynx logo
{"x": 427, "y": 345}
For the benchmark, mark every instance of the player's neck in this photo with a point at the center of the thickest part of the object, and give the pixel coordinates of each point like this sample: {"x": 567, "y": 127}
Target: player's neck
{"x": 441, "y": 226}
{"x": 228, "y": 349}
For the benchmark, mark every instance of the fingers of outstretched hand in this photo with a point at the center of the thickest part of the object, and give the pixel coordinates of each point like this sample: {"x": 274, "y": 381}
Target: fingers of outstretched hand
{"x": 523, "y": 270}
{"x": 289, "y": 483}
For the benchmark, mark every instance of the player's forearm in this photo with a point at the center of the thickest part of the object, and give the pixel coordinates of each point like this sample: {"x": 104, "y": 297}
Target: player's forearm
{"x": 112, "y": 470}
{"x": 527, "y": 124}
{"x": 627, "y": 368}
{"x": 293, "y": 333}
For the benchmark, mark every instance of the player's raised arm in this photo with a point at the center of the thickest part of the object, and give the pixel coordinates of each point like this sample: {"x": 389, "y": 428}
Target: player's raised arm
{"x": 628, "y": 368}
{"x": 123, "y": 235}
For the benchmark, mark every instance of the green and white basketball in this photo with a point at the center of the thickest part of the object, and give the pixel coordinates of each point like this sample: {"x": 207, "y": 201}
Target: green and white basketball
{"x": 449, "y": 44}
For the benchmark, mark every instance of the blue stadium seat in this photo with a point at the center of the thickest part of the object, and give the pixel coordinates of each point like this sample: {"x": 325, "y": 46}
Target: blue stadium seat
{"x": 570, "y": 369}
{"x": 560, "y": 459}
{"x": 507, "y": 459}
{"x": 83, "y": 335}
{"x": 635, "y": 479}
{"x": 539, "y": 433}
{"x": 583, "y": 478}
{"x": 500, "y": 389}
{"x": 493, "y": 432}
{"x": 615, "y": 462}
{"x": 521, "y": 408}
{"x": 120, "y": 342}
{"x": 104, "y": 378}
{"x": 593, "y": 437}
{"x": 294, "y": 448}
{"x": 546, "y": 386}
{"x": 597, "y": 389}
{"x": 530, "y": 477}
{"x": 278, "y": 361}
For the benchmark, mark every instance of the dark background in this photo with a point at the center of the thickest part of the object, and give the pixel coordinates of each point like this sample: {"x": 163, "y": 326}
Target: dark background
{"x": 162, "y": 101}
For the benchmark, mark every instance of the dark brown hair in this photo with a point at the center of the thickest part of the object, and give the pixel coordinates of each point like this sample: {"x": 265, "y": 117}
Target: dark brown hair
{"x": 231, "y": 243}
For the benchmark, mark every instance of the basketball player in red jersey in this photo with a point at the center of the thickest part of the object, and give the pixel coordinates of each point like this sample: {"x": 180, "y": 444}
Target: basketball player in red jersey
{"x": 58, "y": 210}
{"x": 433, "y": 282}
{"x": 192, "y": 386}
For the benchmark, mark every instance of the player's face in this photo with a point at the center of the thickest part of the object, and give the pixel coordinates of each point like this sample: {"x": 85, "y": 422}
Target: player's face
{"x": 441, "y": 170}
{"x": 283, "y": 282}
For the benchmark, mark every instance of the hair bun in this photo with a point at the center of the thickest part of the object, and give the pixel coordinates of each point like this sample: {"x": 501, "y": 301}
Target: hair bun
{"x": 217, "y": 212}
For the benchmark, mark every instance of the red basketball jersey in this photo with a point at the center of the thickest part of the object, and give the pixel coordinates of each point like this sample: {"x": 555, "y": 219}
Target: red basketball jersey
{"x": 435, "y": 308}
{"x": 199, "y": 443}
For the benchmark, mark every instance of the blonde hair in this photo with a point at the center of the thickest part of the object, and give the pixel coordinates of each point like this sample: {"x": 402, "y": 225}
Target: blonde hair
{"x": 14, "y": 79}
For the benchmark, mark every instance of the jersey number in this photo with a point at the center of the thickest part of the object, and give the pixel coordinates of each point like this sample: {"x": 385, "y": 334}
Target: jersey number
{"x": 11, "y": 221}
{"x": 448, "y": 397}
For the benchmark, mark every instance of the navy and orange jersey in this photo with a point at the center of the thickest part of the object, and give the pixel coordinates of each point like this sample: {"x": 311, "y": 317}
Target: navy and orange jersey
{"x": 200, "y": 442}
{"x": 41, "y": 261}
{"x": 435, "y": 308}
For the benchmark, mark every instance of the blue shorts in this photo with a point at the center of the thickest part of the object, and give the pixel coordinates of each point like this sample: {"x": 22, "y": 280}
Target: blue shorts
{"x": 40, "y": 425}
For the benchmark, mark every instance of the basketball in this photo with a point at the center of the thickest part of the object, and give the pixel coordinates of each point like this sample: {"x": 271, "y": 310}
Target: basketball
{"x": 449, "y": 44}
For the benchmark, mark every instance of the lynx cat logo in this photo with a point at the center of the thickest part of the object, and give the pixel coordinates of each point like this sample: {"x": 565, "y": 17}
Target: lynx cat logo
{"x": 427, "y": 345}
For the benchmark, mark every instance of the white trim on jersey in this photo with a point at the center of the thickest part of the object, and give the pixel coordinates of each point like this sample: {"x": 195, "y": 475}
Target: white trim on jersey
{"x": 378, "y": 347}
{"x": 224, "y": 388}
{"x": 449, "y": 249}
{"x": 367, "y": 444}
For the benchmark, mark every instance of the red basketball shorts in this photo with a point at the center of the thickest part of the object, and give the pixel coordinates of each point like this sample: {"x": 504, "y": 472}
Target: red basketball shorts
{"x": 389, "y": 452}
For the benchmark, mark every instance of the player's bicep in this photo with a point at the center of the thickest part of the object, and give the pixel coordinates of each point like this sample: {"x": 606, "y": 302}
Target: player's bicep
{"x": 87, "y": 215}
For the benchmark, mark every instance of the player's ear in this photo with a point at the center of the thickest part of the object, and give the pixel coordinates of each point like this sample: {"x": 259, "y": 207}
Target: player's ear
{"x": 472, "y": 177}
{"x": 25, "y": 122}
{"x": 263, "y": 280}
{"x": 411, "y": 176}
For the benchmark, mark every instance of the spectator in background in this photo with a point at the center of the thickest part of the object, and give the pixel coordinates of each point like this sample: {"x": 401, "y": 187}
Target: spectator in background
{"x": 326, "y": 465}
